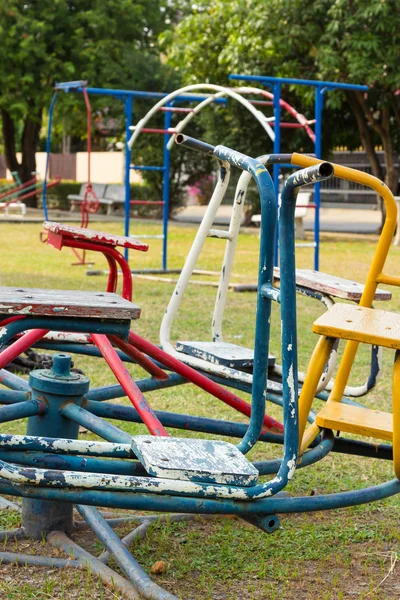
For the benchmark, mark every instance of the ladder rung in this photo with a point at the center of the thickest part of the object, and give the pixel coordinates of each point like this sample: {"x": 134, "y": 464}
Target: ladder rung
{"x": 306, "y": 245}
{"x": 146, "y": 168}
{"x": 219, "y": 233}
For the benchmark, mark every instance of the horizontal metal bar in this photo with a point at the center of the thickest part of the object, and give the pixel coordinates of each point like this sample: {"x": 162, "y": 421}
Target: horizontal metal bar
{"x": 146, "y": 168}
{"x": 179, "y": 421}
{"x": 12, "y": 558}
{"x": 50, "y": 461}
{"x": 13, "y": 381}
{"x": 12, "y": 396}
{"x": 21, "y": 410}
{"x": 29, "y": 443}
{"x": 153, "y": 502}
{"x": 268, "y": 291}
{"x": 219, "y": 233}
{"x": 293, "y": 81}
{"x": 99, "y": 426}
{"x": 194, "y": 144}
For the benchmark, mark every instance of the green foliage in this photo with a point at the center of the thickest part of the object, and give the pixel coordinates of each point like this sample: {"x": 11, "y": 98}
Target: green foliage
{"x": 310, "y": 39}
{"x": 55, "y": 40}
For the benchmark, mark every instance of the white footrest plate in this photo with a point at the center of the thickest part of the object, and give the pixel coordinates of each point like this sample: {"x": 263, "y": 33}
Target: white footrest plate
{"x": 221, "y": 353}
{"x": 191, "y": 459}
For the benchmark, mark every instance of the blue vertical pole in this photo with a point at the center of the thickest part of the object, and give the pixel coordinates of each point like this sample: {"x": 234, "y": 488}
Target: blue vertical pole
{"x": 277, "y": 149}
{"x": 167, "y": 160}
{"x": 48, "y": 147}
{"x": 319, "y": 104}
{"x": 128, "y": 109}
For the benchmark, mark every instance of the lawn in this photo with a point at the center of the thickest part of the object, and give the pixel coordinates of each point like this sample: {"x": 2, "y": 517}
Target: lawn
{"x": 350, "y": 553}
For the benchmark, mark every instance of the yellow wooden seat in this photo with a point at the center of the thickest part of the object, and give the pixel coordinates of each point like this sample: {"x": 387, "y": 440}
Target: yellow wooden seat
{"x": 355, "y": 419}
{"x": 350, "y": 322}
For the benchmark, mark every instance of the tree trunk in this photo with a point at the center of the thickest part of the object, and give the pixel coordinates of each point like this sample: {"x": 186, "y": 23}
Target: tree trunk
{"x": 382, "y": 128}
{"x": 29, "y": 142}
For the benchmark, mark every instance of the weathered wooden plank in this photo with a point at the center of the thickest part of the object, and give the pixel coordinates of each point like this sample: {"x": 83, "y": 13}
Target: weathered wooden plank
{"x": 357, "y": 420}
{"x": 332, "y": 285}
{"x": 191, "y": 459}
{"x": 367, "y": 325}
{"x": 65, "y": 303}
{"x": 98, "y": 237}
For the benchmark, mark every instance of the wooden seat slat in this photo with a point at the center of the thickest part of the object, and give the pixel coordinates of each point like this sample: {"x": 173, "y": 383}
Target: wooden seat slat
{"x": 332, "y": 285}
{"x": 356, "y": 420}
{"x": 65, "y": 303}
{"x": 366, "y": 325}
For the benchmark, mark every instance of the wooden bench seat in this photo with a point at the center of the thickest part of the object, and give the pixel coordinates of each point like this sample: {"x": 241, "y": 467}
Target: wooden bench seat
{"x": 58, "y": 230}
{"x": 337, "y": 287}
{"x": 366, "y": 325}
{"x": 66, "y": 303}
{"x": 356, "y": 420}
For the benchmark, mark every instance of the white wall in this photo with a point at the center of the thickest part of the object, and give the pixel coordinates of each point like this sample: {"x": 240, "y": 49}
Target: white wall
{"x": 105, "y": 167}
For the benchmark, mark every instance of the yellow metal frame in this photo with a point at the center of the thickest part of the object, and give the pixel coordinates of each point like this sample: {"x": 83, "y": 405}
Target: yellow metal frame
{"x": 375, "y": 276}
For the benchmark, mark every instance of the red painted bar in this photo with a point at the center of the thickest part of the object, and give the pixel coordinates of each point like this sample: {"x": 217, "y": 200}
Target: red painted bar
{"x": 201, "y": 380}
{"x": 107, "y": 250}
{"x": 131, "y": 389}
{"x": 139, "y": 357}
{"x": 150, "y": 130}
{"x": 20, "y": 345}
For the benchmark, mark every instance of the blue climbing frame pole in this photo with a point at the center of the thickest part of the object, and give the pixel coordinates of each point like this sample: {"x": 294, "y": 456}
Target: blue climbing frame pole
{"x": 166, "y": 190}
{"x": 321, "y": 87}
{"x": 277, "y": 149}
{"x": 319, "y": 105}
{"x": 128, "y": 110}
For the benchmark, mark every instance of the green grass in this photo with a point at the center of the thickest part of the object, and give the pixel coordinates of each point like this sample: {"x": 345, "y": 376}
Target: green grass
{"x": 343, "y": 554}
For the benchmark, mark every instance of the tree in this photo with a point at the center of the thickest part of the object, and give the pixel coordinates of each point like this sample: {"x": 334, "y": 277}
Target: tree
{"x": 55, "y": 40}
{"x": 345, "y": 40}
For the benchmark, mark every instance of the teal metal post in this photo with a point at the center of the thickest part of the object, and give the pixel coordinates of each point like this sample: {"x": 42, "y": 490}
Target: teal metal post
{"x": 54, "y": 388}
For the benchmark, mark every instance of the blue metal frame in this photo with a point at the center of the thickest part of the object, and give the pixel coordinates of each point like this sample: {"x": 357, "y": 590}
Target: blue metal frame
{"x": 321, "y": 87}
{"x": 127, "y": 96}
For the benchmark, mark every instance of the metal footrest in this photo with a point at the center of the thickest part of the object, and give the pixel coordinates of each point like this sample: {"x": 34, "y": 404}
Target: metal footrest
{"x": 194, "y": 460}
{"x": 222, "y": 353}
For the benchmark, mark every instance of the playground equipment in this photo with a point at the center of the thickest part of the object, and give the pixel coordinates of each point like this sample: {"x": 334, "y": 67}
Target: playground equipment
{"x": 159, "y": 473}
{"x": 12, "y": 196}
{"x": 90, "y": 201}
{"x": 168, "y": 106}
{"x": 233, "y": 362}
{"x": 231, "y": 93}
{"x": 321, "y": 88}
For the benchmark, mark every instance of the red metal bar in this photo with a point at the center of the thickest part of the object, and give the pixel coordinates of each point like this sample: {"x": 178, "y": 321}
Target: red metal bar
{"x": 51, "y": 184}
{"x": 139, "y": 357}
{"x": 112, "y": 274}
{"x": 126, "y": 272}
{"x": 151, "y": 202}
{"x": 11, "y": 320}
{"x": 150, "y": 130}
{"x": 200, "y": 380}
{"x": 286, "y": 125}
{"x": 19, "y": 188}
{"x": 131, "y": 389}
{"x": 20, "y": 345}
{"x": 261, "y": 102}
